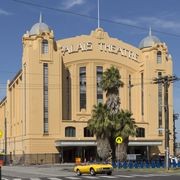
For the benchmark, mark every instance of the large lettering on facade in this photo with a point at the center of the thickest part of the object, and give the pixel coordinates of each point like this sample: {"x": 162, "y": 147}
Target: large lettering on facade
{"x": 103, "y": 47}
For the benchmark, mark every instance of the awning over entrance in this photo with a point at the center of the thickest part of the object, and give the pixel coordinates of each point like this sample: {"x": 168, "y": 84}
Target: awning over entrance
{"x": 62, "y": 143}
{"x": 145, "y": 143}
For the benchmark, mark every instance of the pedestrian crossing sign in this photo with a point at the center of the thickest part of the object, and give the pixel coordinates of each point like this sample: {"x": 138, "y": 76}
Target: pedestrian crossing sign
{"x": 119, "y": 140}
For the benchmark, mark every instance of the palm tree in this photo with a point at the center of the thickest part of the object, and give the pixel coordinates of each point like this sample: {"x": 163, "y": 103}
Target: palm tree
{"x": 98, "y": 125}
{"x": 125, "y": 127}
{"x": 111, "y": 83}
{"x": 107, "y": 121}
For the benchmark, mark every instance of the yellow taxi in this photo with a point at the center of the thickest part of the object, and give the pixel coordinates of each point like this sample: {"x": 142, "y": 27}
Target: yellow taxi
{"x": 93, "y": 169}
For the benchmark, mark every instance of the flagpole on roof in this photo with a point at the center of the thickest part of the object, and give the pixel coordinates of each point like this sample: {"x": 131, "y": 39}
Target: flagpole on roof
{"x": 98, "y": 15}
{"x": 150, "y": 32}
{"x": 40, "y": 18}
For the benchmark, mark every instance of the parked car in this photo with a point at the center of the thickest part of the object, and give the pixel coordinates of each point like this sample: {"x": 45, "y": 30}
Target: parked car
{"x": 93, "y": 169}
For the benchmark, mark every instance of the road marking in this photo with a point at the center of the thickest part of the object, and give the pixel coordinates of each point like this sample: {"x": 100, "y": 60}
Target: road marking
{"x": 53, "y": 178}
{"x": 91, "y": 177}
{"x": 72, "y": 178}
{"x": 125, "y": 176}
{"x": 4, "y": 178}
{"x": 109, "y": 177}
{"x": 35, "y": 178}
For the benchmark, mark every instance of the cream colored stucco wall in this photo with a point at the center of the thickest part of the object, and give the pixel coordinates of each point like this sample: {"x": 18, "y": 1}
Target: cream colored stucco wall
{"x": 23, "y": 106}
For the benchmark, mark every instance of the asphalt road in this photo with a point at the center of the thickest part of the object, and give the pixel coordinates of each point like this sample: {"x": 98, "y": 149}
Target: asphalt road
{"x": 105, "y": 177}
{"x": 65, "y": 172}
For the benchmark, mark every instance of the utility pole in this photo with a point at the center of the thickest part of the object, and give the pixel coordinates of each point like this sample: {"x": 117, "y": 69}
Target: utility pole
{"x": 166, "y": 80}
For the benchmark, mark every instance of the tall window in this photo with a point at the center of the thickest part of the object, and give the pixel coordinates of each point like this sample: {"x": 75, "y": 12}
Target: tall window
{"x": 70, "y": 131}
{"x": 44, "y": 47}
{"x": 140, "y": 132}
{"x": 159, "y": 57}
{"x": 45, "y": 97}
{"x": 160, "y": 104}
{"x": 142, "y": 94}
{"x": 87, "y": 132}
{"x": 68, "y": 94}
{"x": 99, "y": 72}
{"x": 82, "y": 77}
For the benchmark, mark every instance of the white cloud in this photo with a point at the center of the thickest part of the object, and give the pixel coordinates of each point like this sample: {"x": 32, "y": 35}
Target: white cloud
{"x": 154, "y": 22}
{"x": 68, "y": 4}
{"x": 3, "y": 12}
{"x": 161, "y": 23}
{"x": 126, "y": 21}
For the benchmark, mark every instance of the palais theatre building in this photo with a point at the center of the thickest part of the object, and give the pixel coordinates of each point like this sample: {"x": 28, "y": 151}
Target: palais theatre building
{"x": 49, "y": 101}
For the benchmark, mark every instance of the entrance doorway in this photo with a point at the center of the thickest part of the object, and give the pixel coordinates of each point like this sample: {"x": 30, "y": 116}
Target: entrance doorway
{"x": 69, "y": 154}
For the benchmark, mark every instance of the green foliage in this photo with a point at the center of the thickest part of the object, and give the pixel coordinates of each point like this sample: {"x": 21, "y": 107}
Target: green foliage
{"x": 111, "y": 80}
{"x": 125, "y": 125}
{"x": 99, "y": 122}
{"x": 107, "y": 121}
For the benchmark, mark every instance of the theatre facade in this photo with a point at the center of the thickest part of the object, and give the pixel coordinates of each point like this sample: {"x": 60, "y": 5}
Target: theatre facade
{"x": 49, "y": 101}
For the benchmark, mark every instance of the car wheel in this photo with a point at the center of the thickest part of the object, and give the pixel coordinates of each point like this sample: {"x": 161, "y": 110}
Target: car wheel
{"x": 78, "y": 172}
{"x": 92, "y": 172}
{"x": 109, "y": 173}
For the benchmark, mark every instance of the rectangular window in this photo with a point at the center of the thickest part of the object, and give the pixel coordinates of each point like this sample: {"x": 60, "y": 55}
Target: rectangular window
{"x": 160, "y": 104}
{"x": 44, "y": 47}
{"x": 68, "y": 78}
{"x": 82, "y": 78}
{"x": 142, "y": 94}
{"x": 45, "y": 98}
{"x": 159, "y": 57}
{"x": 140, "y": 132}
{"x": 99, "y": 73}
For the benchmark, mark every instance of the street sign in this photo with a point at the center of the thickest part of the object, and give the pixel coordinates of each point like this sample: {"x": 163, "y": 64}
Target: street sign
{"x": 1, "y": 134}
{"x": 119, "y": 140}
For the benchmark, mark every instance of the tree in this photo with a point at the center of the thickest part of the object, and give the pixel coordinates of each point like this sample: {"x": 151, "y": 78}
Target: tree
{"x": 98, "y": 125}
{"x": 125, "y": 127}
{"x": 107, "y": 121}
{"x": 111, "y": 83}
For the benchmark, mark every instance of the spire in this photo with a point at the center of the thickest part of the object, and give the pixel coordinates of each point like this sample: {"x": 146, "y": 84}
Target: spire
{"x": 98, "y": 15}
{"x": 40, "y": 18}
{"x": 150, "y": 33}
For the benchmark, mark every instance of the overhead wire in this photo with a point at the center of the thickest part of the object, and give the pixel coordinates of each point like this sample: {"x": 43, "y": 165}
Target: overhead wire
{"x": 85, "y": 16}
{"x": 91, "y": 17}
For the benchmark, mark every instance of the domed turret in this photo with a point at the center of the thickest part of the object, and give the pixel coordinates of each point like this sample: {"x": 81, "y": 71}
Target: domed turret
{"x": 149, "y": 41}
{"x": 39, "y": 27}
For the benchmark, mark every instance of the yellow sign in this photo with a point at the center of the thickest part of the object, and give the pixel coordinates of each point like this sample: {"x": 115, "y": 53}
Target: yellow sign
{"x": 1, "y": 134}
{"x": 119, "y": 140}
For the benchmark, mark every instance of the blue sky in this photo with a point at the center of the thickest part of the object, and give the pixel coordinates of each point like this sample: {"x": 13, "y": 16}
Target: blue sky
{"x": 127, "y": 20}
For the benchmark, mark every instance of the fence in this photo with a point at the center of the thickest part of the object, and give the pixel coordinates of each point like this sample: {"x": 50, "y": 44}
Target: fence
{"x": 144, "y": 164}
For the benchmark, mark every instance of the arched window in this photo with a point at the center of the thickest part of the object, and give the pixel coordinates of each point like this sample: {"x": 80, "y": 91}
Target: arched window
{"x": 159, "y": 57}
{"x": 140, "y": 132}
{"x": 87, "y": 132}
{"x": 70, "y": 131}
{"x": 44, "y": 47}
